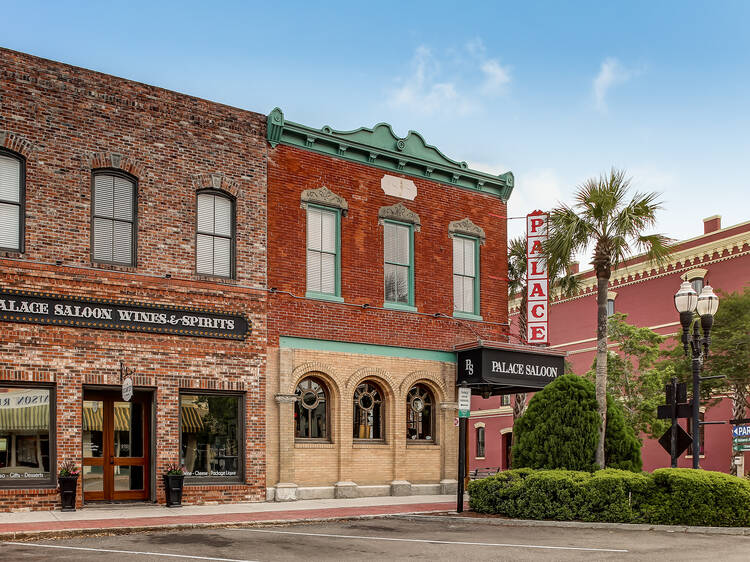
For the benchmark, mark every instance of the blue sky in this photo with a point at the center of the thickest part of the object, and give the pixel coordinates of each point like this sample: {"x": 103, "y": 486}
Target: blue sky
{"x": 555, "y": 91}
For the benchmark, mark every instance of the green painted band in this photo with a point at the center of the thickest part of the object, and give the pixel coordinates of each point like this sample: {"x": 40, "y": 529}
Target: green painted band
{"x": 399, "y": 306}
{"x": 291, "y": 342}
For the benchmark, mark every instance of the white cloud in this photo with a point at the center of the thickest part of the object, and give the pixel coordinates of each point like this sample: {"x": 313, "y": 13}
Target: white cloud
{"x": 441, "y": 86}
{"x": 610, "y": 74}
{"x": 422, "y": 92}
{"x": 496, "y": 77}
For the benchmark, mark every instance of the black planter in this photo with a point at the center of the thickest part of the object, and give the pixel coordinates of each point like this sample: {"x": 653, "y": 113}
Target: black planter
{"x": 173, "y": 488}
{"x": 68, "y": 486}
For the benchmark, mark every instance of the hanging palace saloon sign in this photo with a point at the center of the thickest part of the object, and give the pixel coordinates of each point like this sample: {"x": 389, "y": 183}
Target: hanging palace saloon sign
{"x": 82, "y": 312}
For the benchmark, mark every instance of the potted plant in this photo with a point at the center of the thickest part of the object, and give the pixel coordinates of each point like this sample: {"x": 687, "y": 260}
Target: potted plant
{"x": 173, "y": 481}
{"x": 67, "y": 480}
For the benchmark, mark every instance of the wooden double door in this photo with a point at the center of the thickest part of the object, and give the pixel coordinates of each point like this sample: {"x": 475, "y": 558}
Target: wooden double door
{"x": 116, "y": 443}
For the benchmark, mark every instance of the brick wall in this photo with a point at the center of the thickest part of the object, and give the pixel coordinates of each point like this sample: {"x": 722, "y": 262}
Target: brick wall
{"x": 68, "y": 121}
{"x": 292, "y": 170}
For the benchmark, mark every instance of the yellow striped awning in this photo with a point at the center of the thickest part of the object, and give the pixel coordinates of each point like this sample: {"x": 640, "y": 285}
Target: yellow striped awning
{"x": 26, "y": 418}
{"x": 191, "y": 419}
{"x": 92, "y": 419}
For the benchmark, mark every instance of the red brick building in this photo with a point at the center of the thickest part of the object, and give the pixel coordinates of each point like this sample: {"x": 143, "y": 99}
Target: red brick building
{"x": 719, "y": 257}
{"x": 133, "y": 240}
{"x": 383, "y": 254}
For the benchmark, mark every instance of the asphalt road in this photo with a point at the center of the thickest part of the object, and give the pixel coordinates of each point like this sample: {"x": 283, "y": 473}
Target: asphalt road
{"x": 389, "y": 539}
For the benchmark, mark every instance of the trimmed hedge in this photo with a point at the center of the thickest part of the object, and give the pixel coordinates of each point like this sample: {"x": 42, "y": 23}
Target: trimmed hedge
{"x": 673, "y": 496}
{"x": 560, "y": 430}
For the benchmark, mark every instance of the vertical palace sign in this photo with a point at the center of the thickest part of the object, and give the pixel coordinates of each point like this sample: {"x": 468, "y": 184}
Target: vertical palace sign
{"x": 537, "y": 278}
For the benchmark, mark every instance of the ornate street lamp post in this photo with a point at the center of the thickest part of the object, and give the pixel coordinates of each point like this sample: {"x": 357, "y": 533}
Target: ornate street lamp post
{"x": 687, "y": 301}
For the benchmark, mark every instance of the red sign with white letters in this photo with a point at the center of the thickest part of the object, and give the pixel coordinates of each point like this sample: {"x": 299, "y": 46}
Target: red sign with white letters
{"x": 537, "y": 279}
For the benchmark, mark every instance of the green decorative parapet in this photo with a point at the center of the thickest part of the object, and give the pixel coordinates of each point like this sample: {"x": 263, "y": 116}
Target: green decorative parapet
{"x": 381, "y": 148}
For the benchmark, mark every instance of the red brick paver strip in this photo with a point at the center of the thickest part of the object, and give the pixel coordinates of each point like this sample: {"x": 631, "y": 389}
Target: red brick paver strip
{"x": 229, "y": 518}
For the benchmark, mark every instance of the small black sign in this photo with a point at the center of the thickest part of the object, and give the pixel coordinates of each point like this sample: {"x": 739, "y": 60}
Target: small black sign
{"x": 664, "y": 412}
{"x": 683, "y": 440}
{"x": 516, "y": 371}
{"x": 84, "y": 312}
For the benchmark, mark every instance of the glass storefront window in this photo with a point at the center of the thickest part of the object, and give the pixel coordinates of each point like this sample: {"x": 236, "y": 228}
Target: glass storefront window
{"x": 26, "y": 437}
{"x": 211, "y": 431}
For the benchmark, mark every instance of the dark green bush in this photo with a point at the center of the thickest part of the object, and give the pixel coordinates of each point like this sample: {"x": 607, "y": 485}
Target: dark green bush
{"x": 614, "y": 496}
{"x": 683, "y": 496}
{"x": 499, "y": 493}
{"x": 668, "y": 496}
{"x": 622, "y": 448}
{"x": 559, "y": 427}
{"x": 560, "y": 430}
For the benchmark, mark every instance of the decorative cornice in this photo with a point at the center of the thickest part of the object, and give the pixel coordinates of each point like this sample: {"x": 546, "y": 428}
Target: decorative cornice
{"x": 326, "y": 197}
{"x": 680, "y": 262}
{"x": 380, "y": 147}
{"x": 611, "y": 295}
{"x": 467, "y": 228}
{"x": 399, "y": 212}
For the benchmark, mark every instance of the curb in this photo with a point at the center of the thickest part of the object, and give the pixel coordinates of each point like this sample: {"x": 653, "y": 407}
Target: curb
{"x": 573, "y": 524}
{"x": 9, "y": 536}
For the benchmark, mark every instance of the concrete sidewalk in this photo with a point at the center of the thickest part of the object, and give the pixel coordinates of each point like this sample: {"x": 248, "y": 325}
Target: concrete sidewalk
{"x": 129, "y": 518}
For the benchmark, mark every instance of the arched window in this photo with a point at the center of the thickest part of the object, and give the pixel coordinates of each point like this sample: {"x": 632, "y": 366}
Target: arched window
{"x": 12, "y": 185}
{"x": 369, "y": 412}
{"x": 311, "y": 410}
{"x": 113, "y": 218}
{"x": 696, "y": 277}
{"x": 697, "y": 284}
{"x": 214, "y": 243}
{"x": 420, "y": 414}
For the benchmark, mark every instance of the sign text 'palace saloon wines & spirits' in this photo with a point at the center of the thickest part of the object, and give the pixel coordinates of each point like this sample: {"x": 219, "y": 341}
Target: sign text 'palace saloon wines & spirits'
{"x": 83, "y": 312}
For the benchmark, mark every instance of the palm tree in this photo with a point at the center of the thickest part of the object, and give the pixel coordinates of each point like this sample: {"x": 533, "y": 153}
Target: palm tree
{"x": 559, "y": 279}
{"x": 603, "y": 217}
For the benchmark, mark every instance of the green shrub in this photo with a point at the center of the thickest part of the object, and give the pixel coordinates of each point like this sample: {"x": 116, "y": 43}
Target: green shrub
{"x": 551, "y": 494}
{"x": 668, "y": 496}
{"x": 560, "y": 430}
{"x": 559, "y": 427}
{"x": 682, "y": 496}
{"x": 622, "y": 448}
{"x": 499, "y": 493}
{"x": 614, "y": 496}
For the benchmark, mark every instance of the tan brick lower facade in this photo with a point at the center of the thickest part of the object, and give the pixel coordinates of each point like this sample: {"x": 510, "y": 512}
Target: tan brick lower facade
{"x": 342, "y": 466}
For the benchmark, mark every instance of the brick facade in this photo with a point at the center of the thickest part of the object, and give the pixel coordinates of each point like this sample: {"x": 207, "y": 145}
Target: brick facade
{"x": 341, "y": 466}
{"x": 67, "y": 122}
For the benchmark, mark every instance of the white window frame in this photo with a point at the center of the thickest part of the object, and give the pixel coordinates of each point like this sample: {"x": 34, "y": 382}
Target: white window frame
{"x": 21, "y": 203}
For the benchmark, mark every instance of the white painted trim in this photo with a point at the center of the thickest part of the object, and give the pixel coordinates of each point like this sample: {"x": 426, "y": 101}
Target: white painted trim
{"x": 643, "y": 270}
{"x": 506, "y": 430}
{"x": 667, "y": 325}
{"x": 697, "y": 273}
{"x": 504, "y": 411}
{"x": 479, "y": 424}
